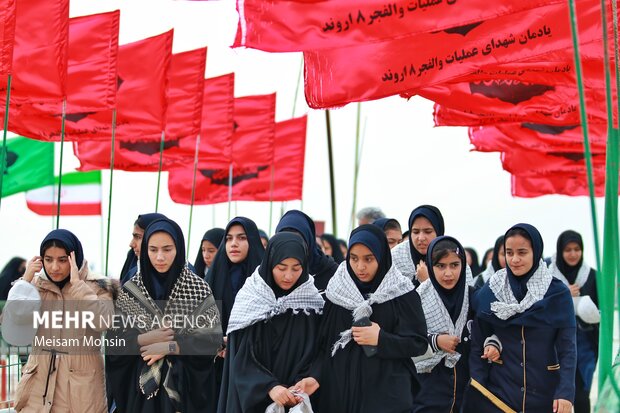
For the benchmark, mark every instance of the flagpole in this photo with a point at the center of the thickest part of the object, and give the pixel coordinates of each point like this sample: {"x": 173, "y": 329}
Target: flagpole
{"x": 614, "y": 8}
{"x": 161, "y": 162}
{"x": 191, "y": 208}
{"x": 6, "y": 127}
{"x": 230, "y": 183}
{"x": 213, "y": 216}
{"x": 606, "y": 301}
{"x": 332, "y": 185}
{"x": 356, "y": 165}
{"x": 62, "y": 150}
{"x": 107, "y": 244}
{"x": 271, "y": 196}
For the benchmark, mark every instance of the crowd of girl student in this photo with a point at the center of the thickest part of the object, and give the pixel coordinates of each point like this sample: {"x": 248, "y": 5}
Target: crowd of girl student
{"x": 385, "y": 327}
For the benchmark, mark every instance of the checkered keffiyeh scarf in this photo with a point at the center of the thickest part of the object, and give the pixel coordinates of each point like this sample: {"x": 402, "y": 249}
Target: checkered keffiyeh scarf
{"x": 342, "y": 291}
{"x": 189, "y": 292}
{"x": 438, "y": 321}
{"x": 582, "y": 274}
{"x": 402, "y": 260}
{"x": 507, "y": 305}
{"x": 256, "y": 302}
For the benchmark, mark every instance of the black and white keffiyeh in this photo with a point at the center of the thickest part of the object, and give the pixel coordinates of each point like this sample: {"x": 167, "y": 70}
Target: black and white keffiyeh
{"x": 342, "y": 291}
{"x": 402, "y": 260}
{"x": 507, "y": 305}
{"x": 582, "y": 274}
{"x": 257, "y": 302}
{"x": 438, "y": 321}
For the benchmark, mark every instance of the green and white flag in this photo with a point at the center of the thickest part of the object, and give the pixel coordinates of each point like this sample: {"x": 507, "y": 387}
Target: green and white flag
{"x": 29, "y": 164}
{"x": 80, "y": 195}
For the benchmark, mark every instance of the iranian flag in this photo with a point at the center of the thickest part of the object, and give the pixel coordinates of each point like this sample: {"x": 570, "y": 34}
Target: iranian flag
{"x": 80, "y": 195}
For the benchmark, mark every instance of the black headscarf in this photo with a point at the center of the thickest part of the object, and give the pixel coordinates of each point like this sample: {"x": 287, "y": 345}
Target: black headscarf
{"x": 518, "y": 285}
{"x": 475, "y": 267}
{"x": 374, "y": 239}
{"x": 281, "y": 246}
{"x": 263, "y": 235}
{"x": 226, "y": 278}
{"x": 70, "y": 243}
{"x": 336, "y": 253}
{"x": 483, "y": 263}
{"x": 453, "y": 298}
{"x": 565, "y": 238}
{"x": 215, "y": 237}
{"x": 304, "y": 225}
{"x": 499, "y": 243}
{"x": 159, "y": 285}
{"x": 10, "y": 273}
{"x": 431, "y": 213}
{"x": 131, "y": 261}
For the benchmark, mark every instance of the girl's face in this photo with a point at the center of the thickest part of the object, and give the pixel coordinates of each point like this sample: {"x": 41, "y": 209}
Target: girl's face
{"x": 448, "y": 270}
{"x": 572, "y": 253}
{"x": 56, "y": 262}
{"x": 237, "y": 245}
{"x": 162, "y": 251}
{"x": 422, "y": 233}
{"x": 208, "y": 252}
{"x": 363, "y": 262}
{"x": 286, "y": 273}
{"x": 519, "y": 255}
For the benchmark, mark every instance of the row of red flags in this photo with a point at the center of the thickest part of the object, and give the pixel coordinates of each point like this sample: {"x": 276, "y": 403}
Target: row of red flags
{"x": 506, "y": 71}
{"x": 150, "y": 92}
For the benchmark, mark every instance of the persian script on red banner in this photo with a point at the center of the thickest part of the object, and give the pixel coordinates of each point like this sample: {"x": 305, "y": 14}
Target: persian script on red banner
{"x": 407, "y": 64}
{"x": 298, "y": 25}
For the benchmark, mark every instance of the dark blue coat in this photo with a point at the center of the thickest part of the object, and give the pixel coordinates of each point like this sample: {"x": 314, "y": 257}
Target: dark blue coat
{"x": 536, "y": 366}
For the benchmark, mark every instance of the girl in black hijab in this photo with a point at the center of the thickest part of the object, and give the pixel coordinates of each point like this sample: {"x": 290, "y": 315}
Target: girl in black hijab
{"x": 130, "y": 267}
{"x": 209, "y": 244}
{"x": 531, "y": 314}
{"x": 568, "y": 266}
{"x": 330, "y": 244}
{"x": 409, "y": 256}
{"x": 366, "y": 366}
{"x": 238, "y": 255}
{"x": 164, "y": 368}
{"x": 320, "y": 266}
{"x": 445, "y": 300}
{"x": 271, "y": 330}
{"x": 12, "y": 271}
{"x": 473, "y": 258}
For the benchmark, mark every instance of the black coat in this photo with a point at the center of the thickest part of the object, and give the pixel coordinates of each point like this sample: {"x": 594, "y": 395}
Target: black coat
{"x": 351, "y": 382}
{"x": 439, "y": 391}
{"x": 266, "y": 354}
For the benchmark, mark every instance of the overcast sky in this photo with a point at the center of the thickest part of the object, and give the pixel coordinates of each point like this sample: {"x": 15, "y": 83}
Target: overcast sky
{"x": 405, "y": 160}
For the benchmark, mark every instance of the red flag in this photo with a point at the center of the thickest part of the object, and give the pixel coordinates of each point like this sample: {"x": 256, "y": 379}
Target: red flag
{"x": 40, "y": 52}
{"x": 91, "y": 78}
{"x": 250, "y": 183}
{"x": 537, "y": 137}
{"x": 7, "y": 35}
{"x": 216, "y": 128}
{"x": 408, "y": 64}
{"x": 137, "y": 156}
{"x": 141, "y": 95}
{"x": 185, "y": 89}
{"x": 255, "y": 128}
{"x": 290, "y": 26}
{"x": 531, "y": 163}
{"x": 557, "y": 184}
{"x": 517, "y": 101}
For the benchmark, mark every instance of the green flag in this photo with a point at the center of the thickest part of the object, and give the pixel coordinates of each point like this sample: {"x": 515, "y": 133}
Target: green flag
{"x": 29, "y": 164}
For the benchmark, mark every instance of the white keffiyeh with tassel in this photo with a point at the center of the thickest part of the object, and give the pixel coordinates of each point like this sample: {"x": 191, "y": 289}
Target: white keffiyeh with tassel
{"x": 342, "y": 291}
{"x": 256, "y": 302}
